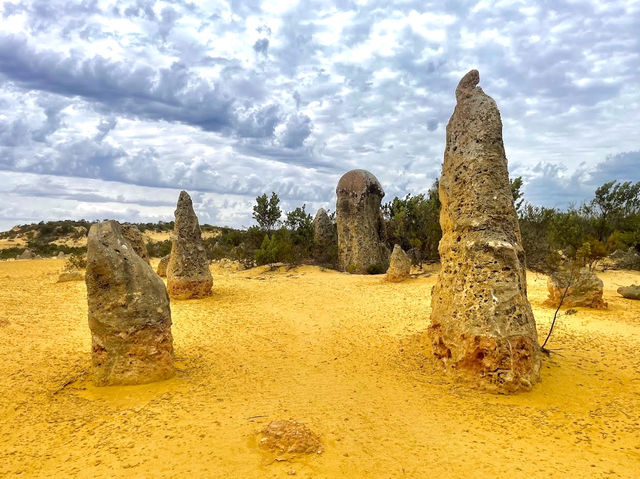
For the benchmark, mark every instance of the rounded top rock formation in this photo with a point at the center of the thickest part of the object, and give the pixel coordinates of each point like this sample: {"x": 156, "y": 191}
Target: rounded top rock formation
{"x": 467, "y": 84}
{"x": 359, "y": 182}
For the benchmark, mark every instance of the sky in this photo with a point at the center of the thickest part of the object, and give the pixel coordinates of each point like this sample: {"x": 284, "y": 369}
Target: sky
{"x": 109, "y": 108}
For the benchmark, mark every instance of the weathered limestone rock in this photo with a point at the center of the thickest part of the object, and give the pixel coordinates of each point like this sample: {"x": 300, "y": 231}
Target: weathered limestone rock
{"x": 26, "y": 254}
{"x": 361, "y": 233}
{"x": 129, "y": 314}
{"x": 585, "y": 289}
{"x": 630, "y": 292}
{"x": 325, "y": 241}
{"x": 289, "y": 438}
{"x": 399, "y": 266}
{"x": 133, "y": 235}
{"x": 322, "y": 228}
{"x": 188, "y": 274}
{"x": 482, "y": 326}
{"x": 162, "y": 266}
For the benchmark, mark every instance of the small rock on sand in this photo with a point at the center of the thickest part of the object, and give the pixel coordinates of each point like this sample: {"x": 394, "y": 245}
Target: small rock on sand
{"x": 630, "y": 292}
{"x": 289, "y": 438}
{"x": 399, "y": 266}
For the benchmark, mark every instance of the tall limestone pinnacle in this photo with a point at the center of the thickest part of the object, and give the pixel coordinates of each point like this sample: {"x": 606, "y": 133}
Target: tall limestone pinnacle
{"x": 129, "y": 314}
{"x": 188, "y": 274}
{"x": 361, "y": 246}
{"x": 482, "y": 326}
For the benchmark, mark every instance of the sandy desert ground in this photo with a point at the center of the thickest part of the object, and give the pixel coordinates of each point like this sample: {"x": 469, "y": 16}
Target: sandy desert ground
{"x": 343, "y": 354}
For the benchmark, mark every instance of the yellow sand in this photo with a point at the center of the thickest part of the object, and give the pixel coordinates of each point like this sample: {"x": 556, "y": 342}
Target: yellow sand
{"x": 339, "y": 353}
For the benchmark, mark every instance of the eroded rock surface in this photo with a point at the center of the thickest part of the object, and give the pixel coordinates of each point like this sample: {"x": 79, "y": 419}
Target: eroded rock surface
{"x": 629, "y": 292}
{"x": 188, "y": 274}
{"x": 136, "y": 239}
{"x": 162, "y": 266}
{"x": 323, "y": 233}
{"x": 325, "y": 241}
{"x": 289, "y": 438}
{"x": 129, "y": 313}
{"x": 585, "y": 289}
{"x": 482, "y": 327}
{"x": 361, "y": 234}
{"x": 399, "y": 266}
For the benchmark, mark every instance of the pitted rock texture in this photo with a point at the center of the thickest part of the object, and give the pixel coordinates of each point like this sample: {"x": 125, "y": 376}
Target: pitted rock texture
{"x": 136, "y": 239}
{"x": 162, "y": 266}
{"x": 361, "y": 232}
{"x": 629, "y": 292}
{"x": 482, "y": 327}
{"x": 585, "y": 289}
{"x": 323, "y": 233}
{"x": 129, "y": 313}
{"x": 288, "y": 439}
{"x": 399, "y": 266}
{"x": 188, "y": 274}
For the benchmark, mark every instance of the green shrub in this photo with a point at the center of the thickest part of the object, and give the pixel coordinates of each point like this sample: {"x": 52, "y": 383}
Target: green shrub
{"x": 276, "y": 249}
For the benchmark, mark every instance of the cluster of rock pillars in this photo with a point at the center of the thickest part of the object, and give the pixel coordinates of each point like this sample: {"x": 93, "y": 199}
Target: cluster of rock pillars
{"x": 482, "y": 327}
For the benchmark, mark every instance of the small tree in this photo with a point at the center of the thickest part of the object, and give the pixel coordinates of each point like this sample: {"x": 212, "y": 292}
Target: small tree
{"x": 267, "y": 212}
{"x": 413, "y": 222}
{"x": 516, "y": 185}
{"x": 301, "y": 225}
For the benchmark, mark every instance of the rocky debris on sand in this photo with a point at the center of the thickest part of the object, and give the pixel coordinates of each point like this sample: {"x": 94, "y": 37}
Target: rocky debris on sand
{"x": 26, "y": 254}
{"x": 188, "y": 274}
{"x": 482, "y": 326}
{"x": 361, "y": 234}
{"x": 630, "y": 292}
{"x": 162, "y": 266}
{"x": 71, "y": 275}
{"x": 136, "y": 239}
{"x": 129, "y": 314}
{"x": 585, "y": 289}
{"x": 289, "y": 438}
{"x": 399, "y": 266}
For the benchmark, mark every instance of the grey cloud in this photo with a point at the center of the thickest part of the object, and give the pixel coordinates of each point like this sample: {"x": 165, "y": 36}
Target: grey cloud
{"x": 173, "y": 94}
{"x": 297, "y": 129}
{"x": 621, "y": 167}
{"x": 142, "y": 8}
{"x": 168, "y": 20}
{"x": 261, "y": 46}
{"x": 104, "y": 127}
